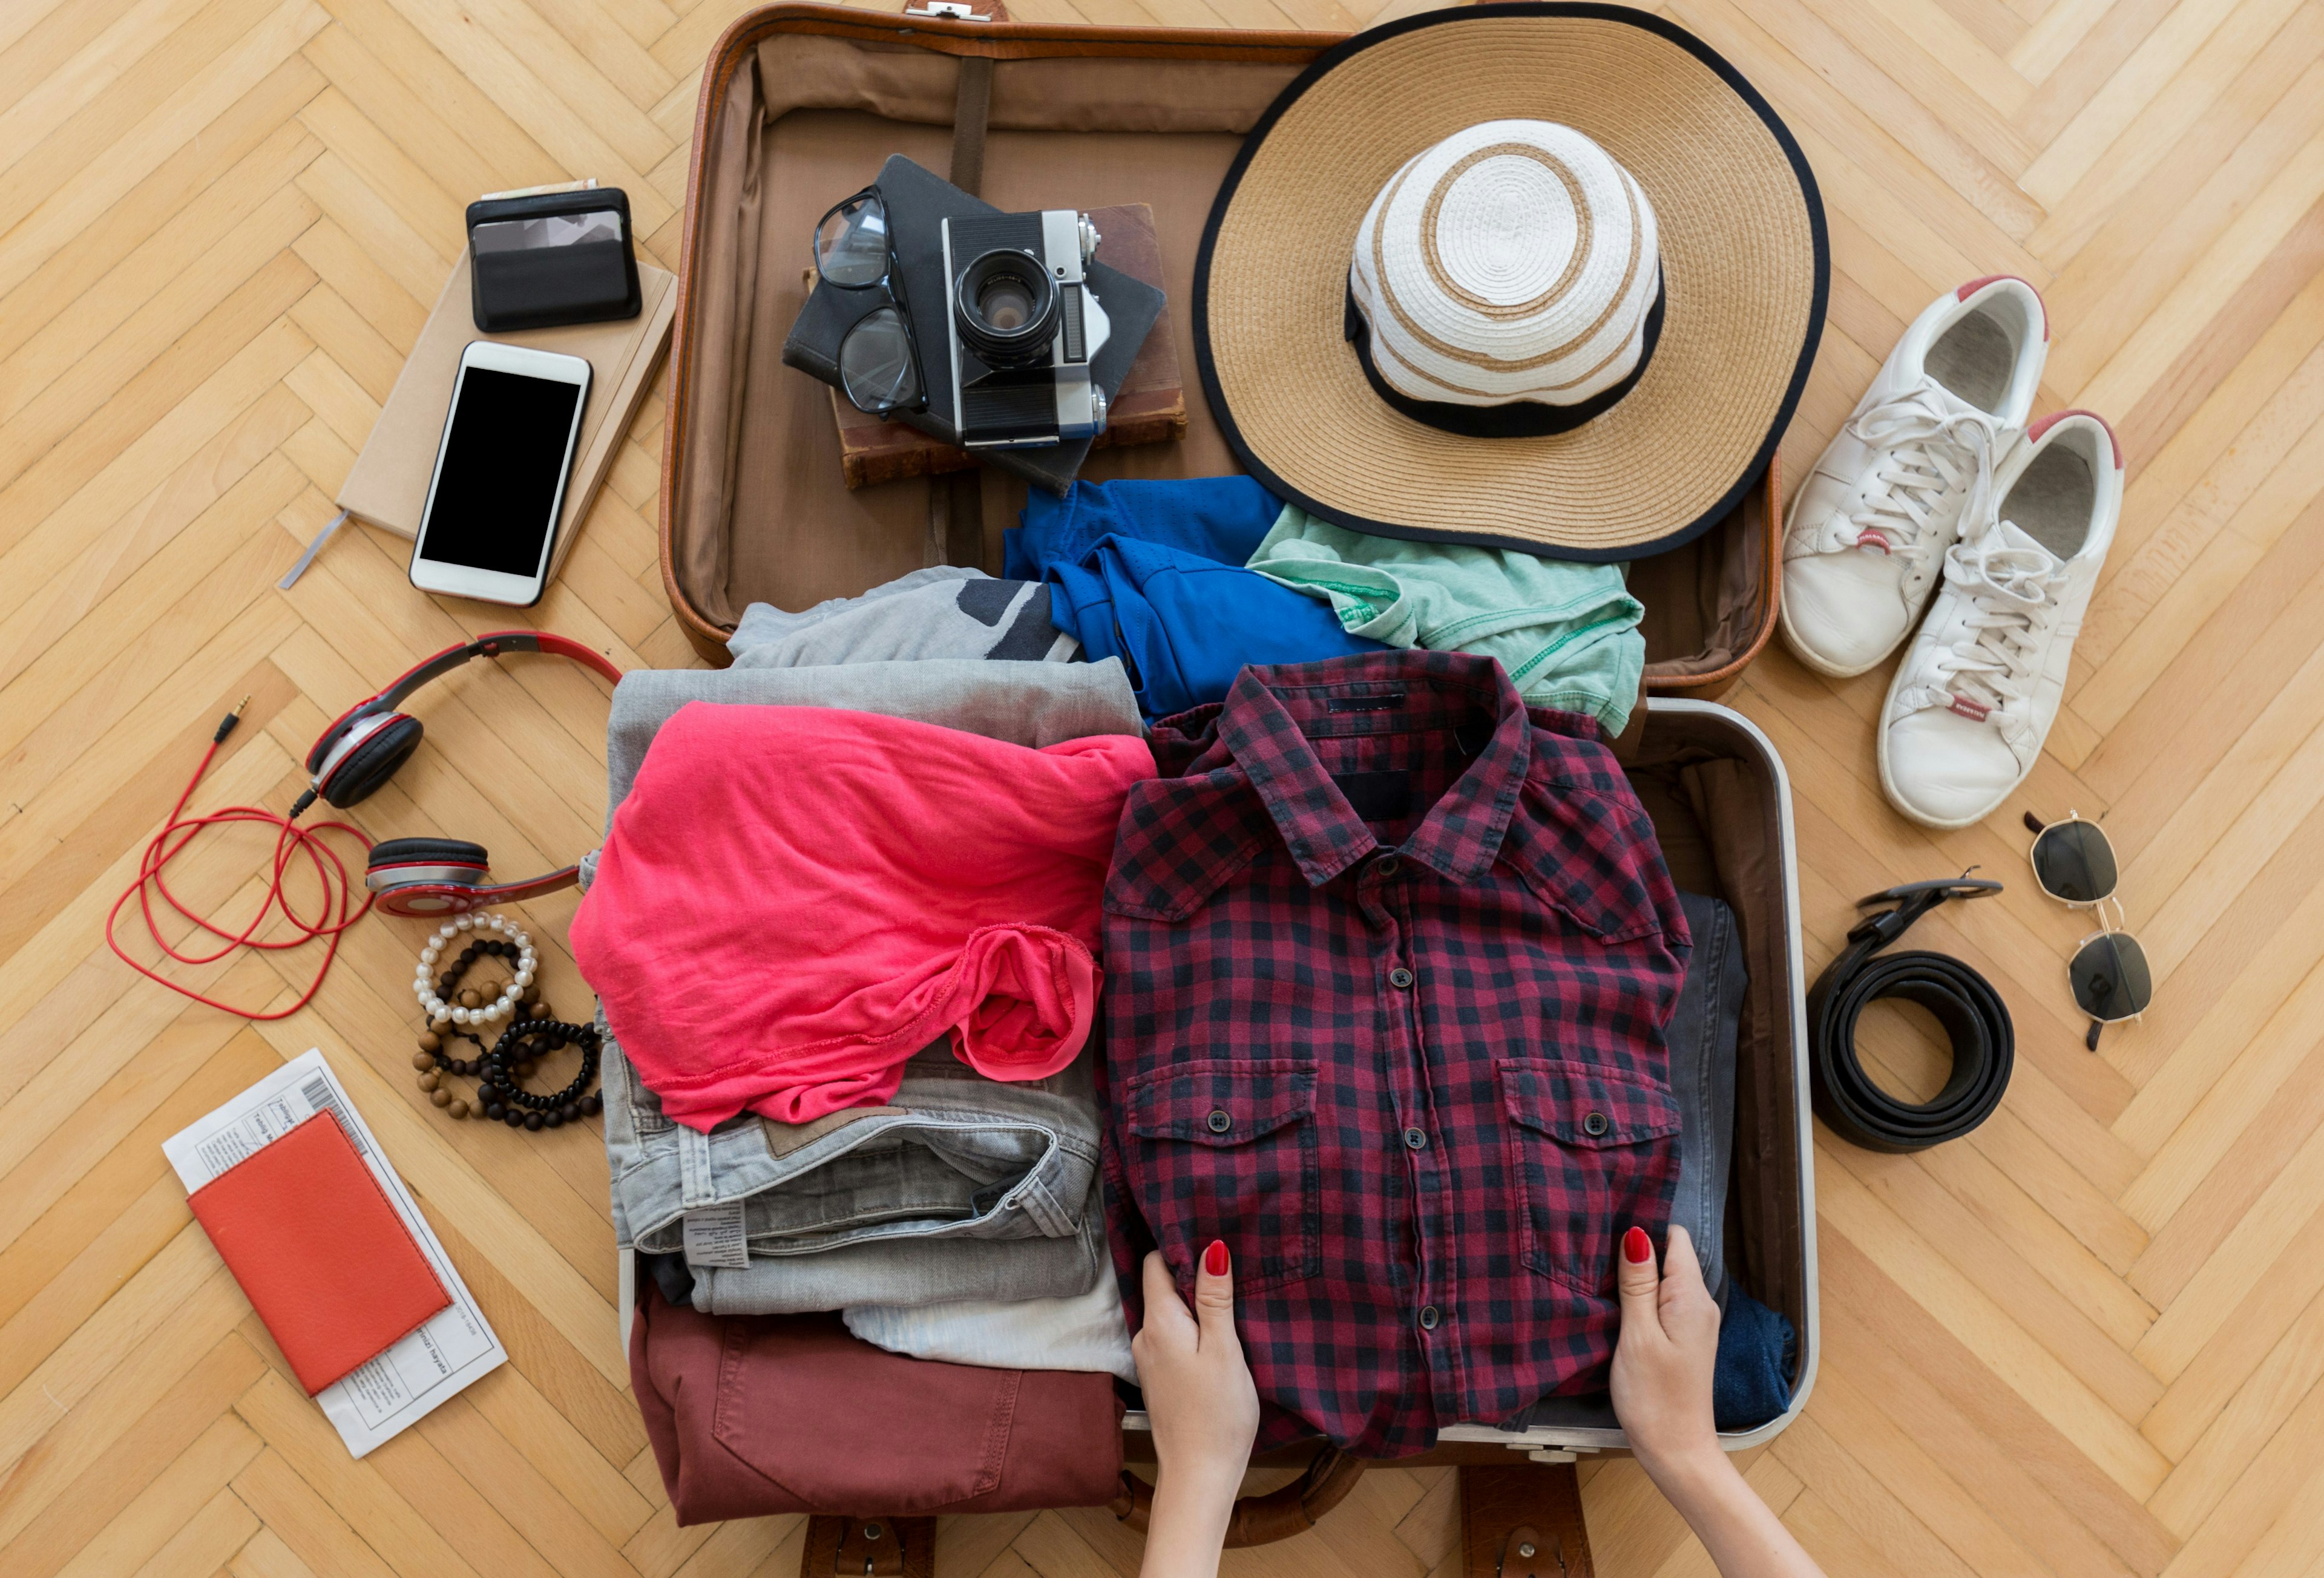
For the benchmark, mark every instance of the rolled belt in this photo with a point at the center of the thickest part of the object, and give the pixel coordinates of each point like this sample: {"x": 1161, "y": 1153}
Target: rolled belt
{"x": 1976, "y": 1019}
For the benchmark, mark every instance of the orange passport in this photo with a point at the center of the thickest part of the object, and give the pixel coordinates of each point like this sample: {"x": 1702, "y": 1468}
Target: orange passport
{"x": 318, "y": 1251}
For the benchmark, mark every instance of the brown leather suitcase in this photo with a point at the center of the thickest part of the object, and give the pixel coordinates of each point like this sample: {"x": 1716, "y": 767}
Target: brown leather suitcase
{"x": 799, "y": 104}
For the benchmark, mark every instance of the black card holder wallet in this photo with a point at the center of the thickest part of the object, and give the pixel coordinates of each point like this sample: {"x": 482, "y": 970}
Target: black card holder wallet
{"x": 556, "y": 257}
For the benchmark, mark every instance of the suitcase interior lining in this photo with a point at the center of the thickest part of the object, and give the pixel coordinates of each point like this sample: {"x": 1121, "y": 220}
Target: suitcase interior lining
{"x": 1717, "y": 815}
{"x": 772, "y": 519}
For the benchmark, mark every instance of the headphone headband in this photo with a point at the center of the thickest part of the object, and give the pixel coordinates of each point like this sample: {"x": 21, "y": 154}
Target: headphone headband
{"x": 491, "y": 644}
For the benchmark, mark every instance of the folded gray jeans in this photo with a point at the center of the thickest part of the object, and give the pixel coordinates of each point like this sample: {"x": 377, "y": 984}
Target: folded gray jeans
{"x": 961, "y": 1187}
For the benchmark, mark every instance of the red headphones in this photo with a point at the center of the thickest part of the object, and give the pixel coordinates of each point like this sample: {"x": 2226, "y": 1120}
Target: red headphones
{"x": 371, "y": 739}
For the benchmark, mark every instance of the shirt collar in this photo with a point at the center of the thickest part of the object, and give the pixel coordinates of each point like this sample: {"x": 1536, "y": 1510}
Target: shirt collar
{"x": 1270, "y": 713}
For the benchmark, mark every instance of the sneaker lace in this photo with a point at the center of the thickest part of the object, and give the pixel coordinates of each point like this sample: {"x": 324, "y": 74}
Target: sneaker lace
{"x": 1988, "y": 668}
{"x": 1927, "y": 452}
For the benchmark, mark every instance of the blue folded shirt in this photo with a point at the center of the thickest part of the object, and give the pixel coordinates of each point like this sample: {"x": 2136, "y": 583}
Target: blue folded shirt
{"x": 1152, "y": 573}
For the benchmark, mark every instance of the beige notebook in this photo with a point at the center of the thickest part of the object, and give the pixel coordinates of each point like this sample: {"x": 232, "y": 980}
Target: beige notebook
{"x": 389, "y": 484}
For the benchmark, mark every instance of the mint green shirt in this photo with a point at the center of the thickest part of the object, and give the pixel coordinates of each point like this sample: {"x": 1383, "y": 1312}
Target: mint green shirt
{"x": 1567, "y": 634}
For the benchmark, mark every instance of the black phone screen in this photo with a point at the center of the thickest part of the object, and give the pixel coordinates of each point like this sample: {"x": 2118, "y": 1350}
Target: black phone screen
{"x": 503, "y": 457}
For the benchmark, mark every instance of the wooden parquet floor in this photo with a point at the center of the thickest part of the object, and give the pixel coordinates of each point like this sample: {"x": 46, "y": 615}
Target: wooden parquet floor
{"x": 2088, "y": 1341}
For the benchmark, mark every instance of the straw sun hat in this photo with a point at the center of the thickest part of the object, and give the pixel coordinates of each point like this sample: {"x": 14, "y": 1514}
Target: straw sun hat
{"x": 1536, "y": 275}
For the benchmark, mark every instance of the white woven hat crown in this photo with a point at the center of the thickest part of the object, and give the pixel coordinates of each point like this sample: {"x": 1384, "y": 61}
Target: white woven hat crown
{"x": 1514, "y": 261}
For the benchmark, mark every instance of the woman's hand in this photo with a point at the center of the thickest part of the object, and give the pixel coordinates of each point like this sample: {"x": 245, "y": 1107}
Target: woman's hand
{"x": 1205, "y": 1412}
{"x": 1668, "y": 1348}
{"x": 1662, "y": 1366}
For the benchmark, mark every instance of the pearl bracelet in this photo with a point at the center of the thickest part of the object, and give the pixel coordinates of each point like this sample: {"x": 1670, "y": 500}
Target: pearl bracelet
{"x": 423, "y": 983}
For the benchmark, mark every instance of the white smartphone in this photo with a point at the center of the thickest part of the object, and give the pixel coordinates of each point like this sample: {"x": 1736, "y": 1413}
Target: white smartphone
{"x": 501, "y": 475}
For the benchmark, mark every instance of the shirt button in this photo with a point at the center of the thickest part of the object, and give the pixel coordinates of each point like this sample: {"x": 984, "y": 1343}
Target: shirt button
{"x": 1400, "y": 978}
{"x": 1415, "y": 1139}
{"x": 1594, "y": 1124}
{"x": 1387, "y": 866}
{"x": 1429, "y": 1318}
{"x": 1219, "y": 1122}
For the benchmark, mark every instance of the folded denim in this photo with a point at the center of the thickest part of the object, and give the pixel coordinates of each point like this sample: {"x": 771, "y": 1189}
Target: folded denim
{"x": 1050, "y": 1242}
{"x": 790, "y": 1414}
{"x": 962, "y": 1187}
{"x": 1702, "y": 1037}
{"x": 946, "y": 610}
{"x": 1085, "y": 1333}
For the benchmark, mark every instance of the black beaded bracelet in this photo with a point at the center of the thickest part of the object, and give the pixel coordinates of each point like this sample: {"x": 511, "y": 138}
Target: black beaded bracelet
{"x": 525, "y": 1042}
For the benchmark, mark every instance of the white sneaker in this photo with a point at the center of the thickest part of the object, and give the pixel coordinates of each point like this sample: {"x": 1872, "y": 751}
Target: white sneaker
{"x": 1868, "y": 532}
{"x": 1980, "y": 686}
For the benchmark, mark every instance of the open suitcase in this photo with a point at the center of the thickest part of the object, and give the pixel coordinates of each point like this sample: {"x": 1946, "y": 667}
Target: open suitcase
{"x": 799, "y": 105}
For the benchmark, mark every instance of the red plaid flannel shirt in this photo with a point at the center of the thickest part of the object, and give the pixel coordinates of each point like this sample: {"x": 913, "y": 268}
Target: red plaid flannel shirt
{"x": 1387, "y": 960}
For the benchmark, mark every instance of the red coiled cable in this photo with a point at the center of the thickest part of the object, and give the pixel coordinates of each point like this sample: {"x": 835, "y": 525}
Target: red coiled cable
{"x": 291, "y": 840}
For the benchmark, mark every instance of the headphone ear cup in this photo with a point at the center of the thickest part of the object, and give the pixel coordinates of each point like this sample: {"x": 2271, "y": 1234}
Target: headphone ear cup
{"x": 388, "y": 853}
{"x": 373, "y": 762}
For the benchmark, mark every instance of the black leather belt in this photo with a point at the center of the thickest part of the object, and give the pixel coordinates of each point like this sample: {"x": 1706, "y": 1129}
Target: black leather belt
{"x": 1984, "y": 1046}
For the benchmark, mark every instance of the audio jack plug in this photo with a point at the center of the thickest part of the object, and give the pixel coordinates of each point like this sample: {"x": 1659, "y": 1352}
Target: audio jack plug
{"x": 227, "y": 723}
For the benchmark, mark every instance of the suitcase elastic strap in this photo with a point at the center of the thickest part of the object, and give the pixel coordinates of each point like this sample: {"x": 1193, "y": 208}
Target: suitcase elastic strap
{"x": 971, "y": 106}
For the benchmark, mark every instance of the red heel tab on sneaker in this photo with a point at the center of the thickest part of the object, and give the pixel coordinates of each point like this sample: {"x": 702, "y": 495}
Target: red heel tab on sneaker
{"x": 1974, "y": 285}
{"x": 2033, "y": 433}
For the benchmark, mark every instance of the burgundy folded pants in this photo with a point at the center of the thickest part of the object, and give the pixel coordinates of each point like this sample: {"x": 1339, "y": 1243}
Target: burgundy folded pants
{"x": 750, "y": 1415}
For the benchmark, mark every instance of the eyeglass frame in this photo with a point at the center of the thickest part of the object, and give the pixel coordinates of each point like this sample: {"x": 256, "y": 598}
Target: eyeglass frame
{"x": 2107, "y": 928}
{"x": 889, "y": 284}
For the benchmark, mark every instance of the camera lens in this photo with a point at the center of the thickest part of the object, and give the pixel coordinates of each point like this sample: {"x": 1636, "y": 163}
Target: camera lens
{"x": 1005, "y": 303}
{"x": 1006, "y": 307}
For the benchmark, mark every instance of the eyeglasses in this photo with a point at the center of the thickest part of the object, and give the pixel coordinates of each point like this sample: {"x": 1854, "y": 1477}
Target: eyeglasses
{"x": 878, "y": 361}
{"x": 2109, "y": 974}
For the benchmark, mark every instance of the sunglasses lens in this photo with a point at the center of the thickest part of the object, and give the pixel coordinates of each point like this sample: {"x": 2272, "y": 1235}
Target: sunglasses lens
{"x": 2111, "y": 979}
{"x": 851, "y": 245}
{"x": 876, "y": 366}
{"x": 2074, "y": 862}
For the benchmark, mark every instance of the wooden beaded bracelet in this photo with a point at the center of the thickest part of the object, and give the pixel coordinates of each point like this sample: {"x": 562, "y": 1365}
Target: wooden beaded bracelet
{"x": 531, "y": 1036}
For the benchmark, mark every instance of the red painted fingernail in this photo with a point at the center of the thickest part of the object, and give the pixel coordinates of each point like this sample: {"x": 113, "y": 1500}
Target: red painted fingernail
{"x": 1214, "y": 1258}
{"x": 1636, "y": 1249}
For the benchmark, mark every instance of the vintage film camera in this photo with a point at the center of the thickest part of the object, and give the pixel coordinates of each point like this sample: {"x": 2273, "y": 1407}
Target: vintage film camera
{"x": 1023, "y": 326}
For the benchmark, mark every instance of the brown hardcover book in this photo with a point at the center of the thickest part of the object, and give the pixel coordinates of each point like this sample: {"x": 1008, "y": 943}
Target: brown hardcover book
{"x": 1150, "y": 408}
{"x": 387, "y": 484}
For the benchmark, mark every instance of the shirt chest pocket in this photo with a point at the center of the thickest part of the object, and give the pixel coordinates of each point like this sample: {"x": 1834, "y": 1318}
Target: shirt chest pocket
{"x": 1593, "y": 1150}
{"x": 1226, "y": 1148}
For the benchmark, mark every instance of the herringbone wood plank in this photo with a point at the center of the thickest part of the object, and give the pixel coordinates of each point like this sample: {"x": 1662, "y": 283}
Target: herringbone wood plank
{"x": 2090, "y": 1340}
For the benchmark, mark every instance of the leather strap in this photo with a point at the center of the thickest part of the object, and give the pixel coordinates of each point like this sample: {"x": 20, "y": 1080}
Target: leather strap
{"x": 1964, "y": 1001}
{"x": 1522, "y": 1522}
{"x": 971, "y": 109}
{"x": 1259, "y": 1520}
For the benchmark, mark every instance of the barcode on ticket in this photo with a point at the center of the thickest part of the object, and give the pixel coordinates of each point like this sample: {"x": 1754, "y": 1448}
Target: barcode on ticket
{"x": 321, "y": 1097}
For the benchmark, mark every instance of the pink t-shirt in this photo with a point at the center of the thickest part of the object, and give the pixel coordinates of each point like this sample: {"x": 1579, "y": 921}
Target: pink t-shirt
{"x": 794, "y": 900}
